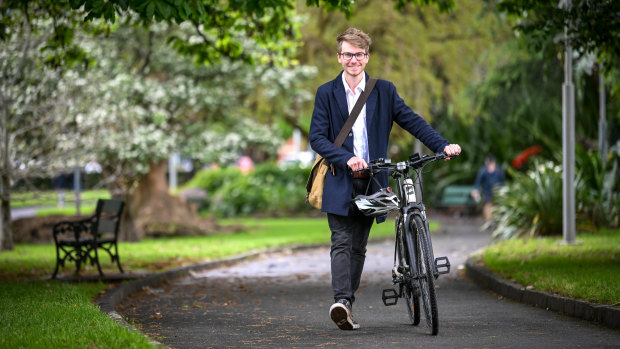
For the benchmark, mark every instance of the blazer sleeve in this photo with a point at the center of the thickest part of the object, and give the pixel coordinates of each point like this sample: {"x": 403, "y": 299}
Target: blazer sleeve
{"x": 322, "y": 134}
{"x": 404, "y": 116}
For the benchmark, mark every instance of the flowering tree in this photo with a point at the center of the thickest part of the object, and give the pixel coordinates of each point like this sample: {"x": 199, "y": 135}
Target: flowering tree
{"x": 142, "y": 101}
{"x": 119, "y": 104}
{"x": 35, "y": 100}
{"x": 45, "y": 90}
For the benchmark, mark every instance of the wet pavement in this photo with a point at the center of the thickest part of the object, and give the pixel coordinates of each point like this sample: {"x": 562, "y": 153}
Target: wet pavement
{"x": 282, "y": 300}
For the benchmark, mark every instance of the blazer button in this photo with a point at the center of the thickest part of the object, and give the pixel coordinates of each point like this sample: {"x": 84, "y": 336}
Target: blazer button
{"x": 350, "y": 134}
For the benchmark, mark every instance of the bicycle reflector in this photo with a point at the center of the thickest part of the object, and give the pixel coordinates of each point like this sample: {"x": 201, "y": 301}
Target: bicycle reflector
{"x": 378, "y": 204}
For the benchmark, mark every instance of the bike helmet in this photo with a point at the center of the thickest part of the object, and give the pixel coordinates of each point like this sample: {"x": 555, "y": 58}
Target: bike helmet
{"x": 378, "y": 204}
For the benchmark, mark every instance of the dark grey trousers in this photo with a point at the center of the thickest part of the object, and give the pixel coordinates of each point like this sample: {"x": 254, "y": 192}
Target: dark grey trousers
{"x": 348, "y": 251}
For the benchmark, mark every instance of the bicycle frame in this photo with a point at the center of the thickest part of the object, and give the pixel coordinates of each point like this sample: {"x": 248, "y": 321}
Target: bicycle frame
{"x": 412, "y": 249}
{"x": 400, "y": 172}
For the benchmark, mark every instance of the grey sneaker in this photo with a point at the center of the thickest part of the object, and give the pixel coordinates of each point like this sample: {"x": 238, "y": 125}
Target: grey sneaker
{"x": 340, "y": 312}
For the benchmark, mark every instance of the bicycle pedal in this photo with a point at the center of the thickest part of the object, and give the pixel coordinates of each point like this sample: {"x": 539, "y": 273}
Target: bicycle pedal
{"x": 389, "y": 297}
{"x": 442, "y": 265}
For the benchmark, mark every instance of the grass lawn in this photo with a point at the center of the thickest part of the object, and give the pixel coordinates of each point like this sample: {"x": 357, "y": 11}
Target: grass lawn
{"x": 85, "y": 209}
{"x": 37, "y": 260}
{"x": 49, "y": 313}
{"x": 50, "y": 198}
{"x": 52, "y": 314}
{"x": 589, "y": 270}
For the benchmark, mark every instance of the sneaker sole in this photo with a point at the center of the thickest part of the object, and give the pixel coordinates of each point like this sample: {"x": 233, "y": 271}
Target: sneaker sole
{"x": 340, "y": 316}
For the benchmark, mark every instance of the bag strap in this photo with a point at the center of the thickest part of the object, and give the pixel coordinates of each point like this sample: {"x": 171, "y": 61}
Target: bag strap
{"x": 348, "y": 125}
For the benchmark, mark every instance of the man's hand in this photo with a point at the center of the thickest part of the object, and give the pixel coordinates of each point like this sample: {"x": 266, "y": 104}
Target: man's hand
{"x": 451, "y": 149}
{"x": 357, "y": 164}
{"x": 475, "y": 194}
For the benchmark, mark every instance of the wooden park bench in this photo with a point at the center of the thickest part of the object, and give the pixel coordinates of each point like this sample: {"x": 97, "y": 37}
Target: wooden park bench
{"x": 458, "y": 199}
{"x": 79, "y": 241}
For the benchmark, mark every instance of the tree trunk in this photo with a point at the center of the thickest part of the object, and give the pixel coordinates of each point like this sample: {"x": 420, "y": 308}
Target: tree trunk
{"x": 6, "y": 235}
{"x": 150, "y": 210}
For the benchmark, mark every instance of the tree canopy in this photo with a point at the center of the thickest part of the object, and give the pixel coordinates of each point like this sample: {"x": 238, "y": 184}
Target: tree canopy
{"x": 430, "y": 56}
{"x": 233, "y": 28}
{"x": 593, "y": 26}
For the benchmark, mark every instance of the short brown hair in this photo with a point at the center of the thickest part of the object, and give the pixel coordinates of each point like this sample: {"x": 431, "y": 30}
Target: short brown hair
{"x": 354, "y": 37}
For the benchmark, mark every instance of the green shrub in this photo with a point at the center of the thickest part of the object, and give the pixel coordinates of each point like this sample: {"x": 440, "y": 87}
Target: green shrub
{"x": 212, "y": 179}
{"x": 269, "y": 189}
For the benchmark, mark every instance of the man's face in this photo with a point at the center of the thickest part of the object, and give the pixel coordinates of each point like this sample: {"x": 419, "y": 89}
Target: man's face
{"x": 354, "y": 66}
{"x": 490, "y": 166}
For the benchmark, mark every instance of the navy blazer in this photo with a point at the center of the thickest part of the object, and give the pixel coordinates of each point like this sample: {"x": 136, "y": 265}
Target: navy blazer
{"x": 383, "y": 107}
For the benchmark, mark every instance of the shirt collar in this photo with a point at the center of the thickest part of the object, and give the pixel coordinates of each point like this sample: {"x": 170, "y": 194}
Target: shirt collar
{"x": 359, "y": 88}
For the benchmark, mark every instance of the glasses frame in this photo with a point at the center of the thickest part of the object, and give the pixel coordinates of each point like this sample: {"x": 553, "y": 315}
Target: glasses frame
{"x": 343, "y": 55}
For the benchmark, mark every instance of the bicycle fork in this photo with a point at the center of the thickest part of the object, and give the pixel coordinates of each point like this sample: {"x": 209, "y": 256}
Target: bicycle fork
{"x": 441, "y": 265}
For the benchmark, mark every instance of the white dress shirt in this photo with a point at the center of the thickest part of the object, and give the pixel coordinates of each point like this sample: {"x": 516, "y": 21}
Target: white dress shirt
{"x": 360, "y": 135}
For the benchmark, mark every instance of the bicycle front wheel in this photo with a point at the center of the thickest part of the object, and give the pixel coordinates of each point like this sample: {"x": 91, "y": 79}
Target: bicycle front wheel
{"x": 417, "y": 240}
{"x": 409, "y": 285}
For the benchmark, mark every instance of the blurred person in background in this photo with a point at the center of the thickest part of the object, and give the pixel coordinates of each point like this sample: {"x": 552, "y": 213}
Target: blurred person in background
{"x": 489, "y": 176}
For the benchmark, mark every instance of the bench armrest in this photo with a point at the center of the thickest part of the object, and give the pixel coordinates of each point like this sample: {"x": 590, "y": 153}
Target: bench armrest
{"x": 76, "y": 229}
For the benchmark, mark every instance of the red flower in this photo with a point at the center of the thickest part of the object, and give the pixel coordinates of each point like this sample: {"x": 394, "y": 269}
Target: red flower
{"x": 522, "y": 157}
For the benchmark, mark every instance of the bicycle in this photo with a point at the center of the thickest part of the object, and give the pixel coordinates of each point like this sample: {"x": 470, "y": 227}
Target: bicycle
{"x": 415, "y": 266}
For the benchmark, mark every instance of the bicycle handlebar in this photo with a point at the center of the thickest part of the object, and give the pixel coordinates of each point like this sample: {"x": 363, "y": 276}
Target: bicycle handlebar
{"x": 415, "y": 162}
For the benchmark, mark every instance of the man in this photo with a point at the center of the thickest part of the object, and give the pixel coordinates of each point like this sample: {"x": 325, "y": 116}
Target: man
{"x": 367, "y": 140}
{"x": 489, "y": 176}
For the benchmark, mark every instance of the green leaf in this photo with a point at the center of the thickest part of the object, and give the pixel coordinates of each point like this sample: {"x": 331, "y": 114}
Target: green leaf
{"x": 164, "y": 9}
{"x": 150, "y": 10}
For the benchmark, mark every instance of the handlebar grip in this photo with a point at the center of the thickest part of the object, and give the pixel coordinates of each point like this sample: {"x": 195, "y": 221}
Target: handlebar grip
{"x": 351, "y": 172}
{"x": 444, "y": 155}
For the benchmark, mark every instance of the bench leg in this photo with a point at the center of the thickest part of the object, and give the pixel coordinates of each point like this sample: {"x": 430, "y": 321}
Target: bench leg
{"x": 57, "y": 262}
{"x": 117, "y": 257}
{"x": 81, "y": 256}
{"x": 111, "y": 247}
{"x": 73, "y": 254}
{"x": 97, "y": 261}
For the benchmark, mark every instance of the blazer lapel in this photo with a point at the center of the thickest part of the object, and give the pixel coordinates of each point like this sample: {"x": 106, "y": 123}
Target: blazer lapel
{"x": 341, "y": 98}
{"x": 371, "y": 105}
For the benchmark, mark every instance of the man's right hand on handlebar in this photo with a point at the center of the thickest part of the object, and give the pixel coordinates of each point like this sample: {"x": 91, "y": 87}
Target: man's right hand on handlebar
{"x": 452, "y": 150}
{"x": 357, "y": 164}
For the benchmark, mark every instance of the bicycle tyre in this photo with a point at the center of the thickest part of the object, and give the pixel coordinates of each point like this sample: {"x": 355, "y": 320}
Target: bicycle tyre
{"x": 426, "y": 277}
{"x": 408, "y": 287}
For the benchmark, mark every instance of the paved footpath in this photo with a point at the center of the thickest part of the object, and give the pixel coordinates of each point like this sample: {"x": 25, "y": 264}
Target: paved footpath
{"x": 282, "y": 300}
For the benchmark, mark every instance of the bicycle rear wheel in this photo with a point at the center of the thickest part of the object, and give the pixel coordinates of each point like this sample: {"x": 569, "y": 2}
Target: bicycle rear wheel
{"x": 408, "y": 287}
{"x": 417, "y": 240}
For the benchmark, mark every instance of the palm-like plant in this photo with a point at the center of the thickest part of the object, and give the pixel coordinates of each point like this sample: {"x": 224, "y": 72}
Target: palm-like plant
{"x": 528, "y": 206}
{"x": 598, "y": 184}
{"x": 531, "y": 205}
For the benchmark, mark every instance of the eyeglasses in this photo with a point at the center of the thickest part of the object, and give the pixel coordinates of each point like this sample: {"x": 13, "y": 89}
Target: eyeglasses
{"x": 348, "y": 55}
